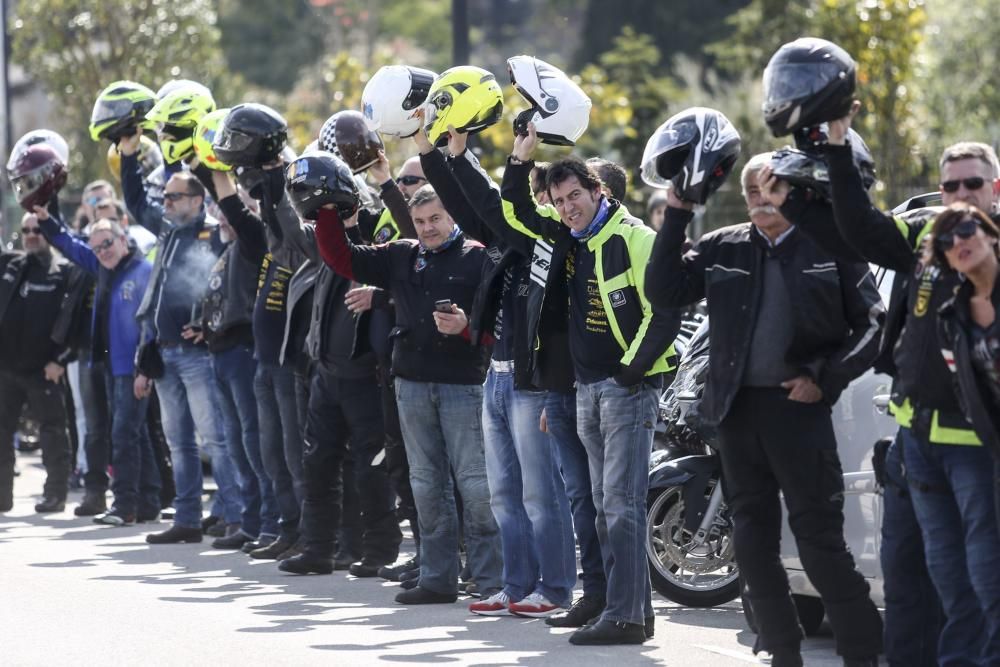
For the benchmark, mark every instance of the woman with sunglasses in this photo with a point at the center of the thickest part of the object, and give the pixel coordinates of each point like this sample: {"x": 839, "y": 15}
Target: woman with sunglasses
{"x": 965, "y": 240}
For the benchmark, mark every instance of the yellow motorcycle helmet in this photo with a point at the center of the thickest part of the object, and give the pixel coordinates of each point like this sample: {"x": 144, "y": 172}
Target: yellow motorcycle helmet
{"x": 176, "y": 117}
{"x": 119, "y": 109}
{"x": 204, "y": 135}
{"x": 466, "y": 97}
{"x": 149, "y": 158}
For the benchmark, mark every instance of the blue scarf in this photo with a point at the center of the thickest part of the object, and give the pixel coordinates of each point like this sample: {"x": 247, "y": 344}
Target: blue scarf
{"x": 444, "y": 246}
{"x": 596, "y": 225}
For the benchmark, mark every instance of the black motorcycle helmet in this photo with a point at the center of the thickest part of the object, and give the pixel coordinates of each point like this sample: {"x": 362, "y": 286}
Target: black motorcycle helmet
{"x": 808, "y": 168}
{"x": 694, "y": 150}
{"x": 807, "y": 82}
{"x": 318, "y": 178}
{"x": 250, "y": 136}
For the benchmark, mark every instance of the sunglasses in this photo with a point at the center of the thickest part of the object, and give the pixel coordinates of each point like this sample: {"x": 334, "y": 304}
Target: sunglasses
{"x": 410, "y": 180}
{"x": 103, "y": 245}
{"x": 31, "y": 230}
{"x": 963, "y": 230}
{"x": 973, "y": 183}
{"x": 176, "y": 196}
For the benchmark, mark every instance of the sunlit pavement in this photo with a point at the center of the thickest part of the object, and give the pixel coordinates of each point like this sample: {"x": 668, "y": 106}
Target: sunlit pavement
{"x": 77, "y": 593}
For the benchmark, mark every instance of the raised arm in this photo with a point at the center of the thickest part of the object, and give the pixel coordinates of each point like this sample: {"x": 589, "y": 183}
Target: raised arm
{"x": 367, "y": 264}
{"x": 143, "y": 209}
{"x": 248, "y": 226}
{"x": 453, "y": 199}
{"x": 675, "y": 279}
{"x": 73, "y": 248}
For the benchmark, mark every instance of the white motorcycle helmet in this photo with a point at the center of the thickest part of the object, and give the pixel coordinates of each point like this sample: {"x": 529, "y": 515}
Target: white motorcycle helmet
{"x": 48, "y": 137}
{"x": 392, "y": 98}
{"x": 559, "y": 109}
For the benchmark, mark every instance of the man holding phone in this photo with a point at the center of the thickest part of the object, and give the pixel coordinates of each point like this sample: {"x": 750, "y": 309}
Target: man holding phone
{"x": 439, "y": 377}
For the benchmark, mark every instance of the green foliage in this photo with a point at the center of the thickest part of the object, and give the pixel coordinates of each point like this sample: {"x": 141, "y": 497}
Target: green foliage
{"x": 266, "y": 41}
{"x": 74, "y": 49}
{"x": 957, "y": 81}
{"x": 758, "y": 30}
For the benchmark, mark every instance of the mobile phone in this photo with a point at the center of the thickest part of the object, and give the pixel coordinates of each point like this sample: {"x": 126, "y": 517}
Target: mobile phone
{"x": 443, "y": 306}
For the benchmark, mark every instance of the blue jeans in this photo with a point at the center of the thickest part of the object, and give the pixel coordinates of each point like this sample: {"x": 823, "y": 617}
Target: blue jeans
{"x": 913, "y": 616}
{"x": 281, "y": 443}
{"x": 952, "y": 490}
{"x": 234, "y": 370}
{"x": 189, "y": 400}
{"x": 97, "y": 441}
{"x": 616, "y": 426}
{"x": 560, "y": 413}
{"x": 527, "y": 494}
{"x": 443, "y": 435}
{"x": 136, "y": 485}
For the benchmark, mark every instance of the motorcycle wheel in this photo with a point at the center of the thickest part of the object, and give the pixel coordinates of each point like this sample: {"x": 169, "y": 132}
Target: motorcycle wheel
{"x": 691, "y": 575}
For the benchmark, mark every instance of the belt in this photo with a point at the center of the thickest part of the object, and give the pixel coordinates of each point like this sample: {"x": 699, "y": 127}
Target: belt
{"x": 502, "y": 366}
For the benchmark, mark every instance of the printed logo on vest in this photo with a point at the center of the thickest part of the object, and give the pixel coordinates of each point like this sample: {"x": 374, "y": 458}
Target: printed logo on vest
{"x": 617, "y": 298}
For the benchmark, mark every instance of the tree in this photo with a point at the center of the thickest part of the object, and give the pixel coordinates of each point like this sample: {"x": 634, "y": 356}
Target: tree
{"x": 75, "y": 49}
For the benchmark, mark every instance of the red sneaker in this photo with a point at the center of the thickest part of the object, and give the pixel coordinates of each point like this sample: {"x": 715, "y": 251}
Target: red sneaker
{"x": 497, "y": 604}
{"x": 535, "y": 605}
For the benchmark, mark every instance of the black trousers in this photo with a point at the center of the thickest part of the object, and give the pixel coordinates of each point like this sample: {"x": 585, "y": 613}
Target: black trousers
{"x": 345, "y": 421}
{"x": 47, "y": 401}
{"x": 770, "y": 444}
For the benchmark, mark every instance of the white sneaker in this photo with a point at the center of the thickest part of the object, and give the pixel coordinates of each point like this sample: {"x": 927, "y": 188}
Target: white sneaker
{"x": 497, "y": 604}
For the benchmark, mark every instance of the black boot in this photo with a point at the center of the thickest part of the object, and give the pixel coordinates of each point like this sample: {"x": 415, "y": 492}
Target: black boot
{"x": 175, "y": 535}
{"x": 306, "y": 563}
{"x": 582, "y": 611}
{"x": 94, "y": 503}
{"x": 51, "y": 504}
{"x": 605, "y": 633}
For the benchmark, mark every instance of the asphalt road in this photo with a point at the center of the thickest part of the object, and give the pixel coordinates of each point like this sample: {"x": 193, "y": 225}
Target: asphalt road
{"x": 72, "y": 592}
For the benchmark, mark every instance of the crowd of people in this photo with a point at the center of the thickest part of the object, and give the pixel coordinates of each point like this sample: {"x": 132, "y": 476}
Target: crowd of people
{"x": 485, "y": 360}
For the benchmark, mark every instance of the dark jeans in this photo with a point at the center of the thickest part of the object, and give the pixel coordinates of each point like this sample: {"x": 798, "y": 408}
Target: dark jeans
{"x": 136, "y": 485}
{"x": 94, "y": 394}
{"x": 234, "y": 371}
{"x": 281, "y": 443}
{"x": 48, "y": 407}
{"x": 343, "y": 411}
{"x": 913, "y": 616}
{"x": 560, "y": 414}
{"x": 952, "y": 488}
{"x": 771, "y": 445}
{"x": 395, "y": 453}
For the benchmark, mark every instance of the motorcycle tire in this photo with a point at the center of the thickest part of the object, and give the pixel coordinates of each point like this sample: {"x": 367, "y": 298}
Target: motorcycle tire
{"x": 665, "y": 519}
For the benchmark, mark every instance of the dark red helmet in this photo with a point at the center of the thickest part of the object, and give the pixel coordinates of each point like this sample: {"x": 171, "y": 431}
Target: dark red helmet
{"x": 37, "y": 176}
{"x": 358, "y": 145}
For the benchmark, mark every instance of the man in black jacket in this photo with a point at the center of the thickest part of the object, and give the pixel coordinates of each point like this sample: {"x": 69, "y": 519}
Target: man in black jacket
{"x": 344, "y": 427}
{"x": 438, "y": 386}
{"x": 33, "y": 286}
{"x": 791, "y": 327}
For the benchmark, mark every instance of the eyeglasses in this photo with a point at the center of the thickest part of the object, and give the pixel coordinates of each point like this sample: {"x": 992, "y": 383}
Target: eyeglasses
{"x": 103, "y": 245}
{"x": 410, "y": 180}
{"x": 963, "y": 230}
{"x": 31, "y": 230}
{"x": 973, "y": 183}
{"x": 175, "y": 196}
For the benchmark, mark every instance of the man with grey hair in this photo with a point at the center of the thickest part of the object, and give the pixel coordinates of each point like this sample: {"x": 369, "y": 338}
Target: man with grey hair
{"x": 791, "y": 327}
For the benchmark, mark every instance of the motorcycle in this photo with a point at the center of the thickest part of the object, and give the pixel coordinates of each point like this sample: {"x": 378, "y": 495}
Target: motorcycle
{"x": 689, "y": 538}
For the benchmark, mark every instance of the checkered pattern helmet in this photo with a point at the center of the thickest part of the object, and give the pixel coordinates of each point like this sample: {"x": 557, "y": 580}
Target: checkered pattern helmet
{"x": 327, "y": 137}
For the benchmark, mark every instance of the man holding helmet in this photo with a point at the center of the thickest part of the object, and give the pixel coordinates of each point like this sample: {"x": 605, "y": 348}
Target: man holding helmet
{"x": 189, "y": 246}
{"x": 344, "y": 422}
{"x": 621, "y": 349}
{"x": 438, "y": 379}
{"x": 33, "y": 287}
{"x": 791, "y": 327}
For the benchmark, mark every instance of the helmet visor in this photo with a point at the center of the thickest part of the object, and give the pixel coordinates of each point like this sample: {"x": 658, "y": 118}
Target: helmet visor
{"x": 111, "y": 110}
{"x": 667, "y": 138}
{"x": 233, "y": 141}
{"x": 29, "y": 183}
{"x": 792, "y": 81}
{"x": 420, "y": 85}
